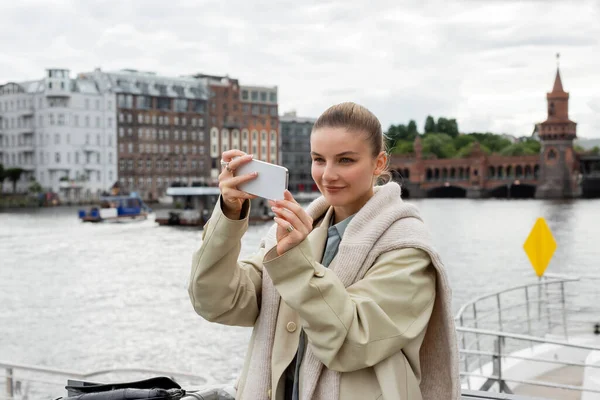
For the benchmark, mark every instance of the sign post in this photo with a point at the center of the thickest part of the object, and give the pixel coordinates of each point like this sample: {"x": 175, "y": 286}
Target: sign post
{"x": 540, "y": 247}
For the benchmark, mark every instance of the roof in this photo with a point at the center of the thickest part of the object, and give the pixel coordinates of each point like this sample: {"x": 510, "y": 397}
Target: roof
{"x": 193, "y": 191}
{"x": 300, "y": 120}
{"x": 558, "y": 87}
{"x": 148, "y": 83}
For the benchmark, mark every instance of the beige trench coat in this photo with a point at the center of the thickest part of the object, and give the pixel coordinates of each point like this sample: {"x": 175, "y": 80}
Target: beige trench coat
{"x": 378, "y": 354}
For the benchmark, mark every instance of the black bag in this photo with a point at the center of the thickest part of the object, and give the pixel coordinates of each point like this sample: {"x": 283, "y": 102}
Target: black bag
{"x": 159, "y": 388}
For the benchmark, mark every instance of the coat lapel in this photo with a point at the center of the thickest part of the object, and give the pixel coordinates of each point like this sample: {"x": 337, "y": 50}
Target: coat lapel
{"x": 318, "y": 237}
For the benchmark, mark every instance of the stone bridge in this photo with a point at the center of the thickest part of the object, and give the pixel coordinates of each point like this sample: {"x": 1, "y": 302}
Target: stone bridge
{"x": 475, "y": 177}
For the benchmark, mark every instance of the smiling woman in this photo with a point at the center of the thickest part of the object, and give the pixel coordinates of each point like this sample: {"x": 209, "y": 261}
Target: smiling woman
{"x": 348, "y": 298}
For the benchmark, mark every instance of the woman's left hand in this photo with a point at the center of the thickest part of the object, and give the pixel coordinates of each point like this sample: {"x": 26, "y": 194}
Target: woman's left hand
{"x": 293, "y": 223}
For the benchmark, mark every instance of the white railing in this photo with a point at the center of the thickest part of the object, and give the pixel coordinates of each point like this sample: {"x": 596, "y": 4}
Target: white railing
{"x": 516, "y": 336}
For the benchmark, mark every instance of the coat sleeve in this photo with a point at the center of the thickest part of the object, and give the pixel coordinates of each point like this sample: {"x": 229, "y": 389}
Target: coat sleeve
{"x": 359, "y": 326}
{"x": 221, "y": 288}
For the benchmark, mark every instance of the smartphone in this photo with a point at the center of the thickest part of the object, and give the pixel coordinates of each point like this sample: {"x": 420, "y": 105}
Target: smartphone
{"x": 271, "y": 182}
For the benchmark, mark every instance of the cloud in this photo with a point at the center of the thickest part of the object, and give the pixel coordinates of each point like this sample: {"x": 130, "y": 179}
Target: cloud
{"x": 488, "y": 63}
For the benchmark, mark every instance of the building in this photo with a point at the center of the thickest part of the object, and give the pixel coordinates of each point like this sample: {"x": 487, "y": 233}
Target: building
{"x": 241, "y": 117}
{"x": 61, "y": 132}
{"x": 261, "y": 117}
{"x": 559, "y": 166}
{"x": 295, "y": 151}
{"x": 161, "y": 129}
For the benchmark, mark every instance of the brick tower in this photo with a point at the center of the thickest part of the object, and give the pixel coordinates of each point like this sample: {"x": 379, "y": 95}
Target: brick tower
{"x": 558, "y": 162}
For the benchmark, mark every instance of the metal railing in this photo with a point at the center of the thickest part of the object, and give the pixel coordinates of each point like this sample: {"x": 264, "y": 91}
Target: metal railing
{"x": 517, "y": 337}
{"x": 23, "y": 381}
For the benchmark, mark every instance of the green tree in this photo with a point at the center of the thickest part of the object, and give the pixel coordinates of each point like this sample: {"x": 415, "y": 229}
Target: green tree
{"x": 518, "y": 149}
{"x": 2, "y": 177}
{"x": 439, "y": 144}
{"x": 403, "y": 147}
{"x": 467, "y": 150}
{"x": 35, "y": 187}
{"x": 430, "y": 125}
{"x": 14, "y": 174}
{"x": 412, "y": 130}
{"x": 463, "y": 140}
{"x": 595, "y": 150}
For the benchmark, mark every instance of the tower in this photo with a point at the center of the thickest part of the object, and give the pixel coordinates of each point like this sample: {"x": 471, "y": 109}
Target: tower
{"x": 558, "y": 162}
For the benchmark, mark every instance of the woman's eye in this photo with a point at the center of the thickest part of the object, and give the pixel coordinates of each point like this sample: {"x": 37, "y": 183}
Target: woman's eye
{"x": 346, "y": 160}
{"x": 317, "y": 160}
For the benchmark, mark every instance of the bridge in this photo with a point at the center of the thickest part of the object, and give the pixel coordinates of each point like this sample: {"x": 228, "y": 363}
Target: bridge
{"x": 481, "y": 175}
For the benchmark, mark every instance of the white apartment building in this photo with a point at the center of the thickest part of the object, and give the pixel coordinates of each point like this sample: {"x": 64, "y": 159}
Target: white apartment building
{"x": 62, "y": 132}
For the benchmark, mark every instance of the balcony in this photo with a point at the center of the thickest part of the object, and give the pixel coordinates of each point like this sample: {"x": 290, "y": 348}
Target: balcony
{"x": 90, "y": 148}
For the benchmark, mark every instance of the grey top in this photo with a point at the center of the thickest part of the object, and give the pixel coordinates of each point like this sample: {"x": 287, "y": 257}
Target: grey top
{"x": 334, "y": 237}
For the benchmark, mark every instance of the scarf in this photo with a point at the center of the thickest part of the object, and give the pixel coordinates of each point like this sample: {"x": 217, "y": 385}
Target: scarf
{"x": 383, "y": 224}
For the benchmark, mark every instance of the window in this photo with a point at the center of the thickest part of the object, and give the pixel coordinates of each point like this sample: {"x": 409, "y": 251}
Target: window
{"x": 87, "y": 121}
{"x": 97, "y": 122}
{"x": 180, "y": 105}
{"x": 87, "y": 104}
{"x": 57, "y": 158}
{"x": 57, "y": 139}
{"x": 140, "y": 118}
{"x": 121, "y": 132}
{"x": 263, "y": 96}
{"x": 97, "y": 104}
{"x": 254, "y": 96}
{"x": 273, "y": 97}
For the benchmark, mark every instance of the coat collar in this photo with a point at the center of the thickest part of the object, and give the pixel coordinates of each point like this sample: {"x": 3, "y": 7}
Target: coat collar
{"x": 318, "y": 237}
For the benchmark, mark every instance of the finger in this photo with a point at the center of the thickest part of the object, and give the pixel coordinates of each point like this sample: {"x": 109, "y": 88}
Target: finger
{"x": 296, "y": 209}
{"x": 238, "y": 162}
{"x": 228, "y": 155}
{"x": 284, "y": 224}
{"x": 235, "y": 181}
{"x": 287, "y": 195}
{"x": 234, "y": 194}
{"x": 290, "y": 217}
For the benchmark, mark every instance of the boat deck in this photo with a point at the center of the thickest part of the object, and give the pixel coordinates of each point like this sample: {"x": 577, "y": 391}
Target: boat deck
{"x": 567, "y": 375}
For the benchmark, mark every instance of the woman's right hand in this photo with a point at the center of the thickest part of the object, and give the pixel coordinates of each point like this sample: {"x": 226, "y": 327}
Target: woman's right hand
{"x": 233, "y": 198}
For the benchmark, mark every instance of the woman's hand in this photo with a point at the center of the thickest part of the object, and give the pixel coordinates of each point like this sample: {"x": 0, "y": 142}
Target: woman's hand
{"x": 233, "y": 198}
{"x": 293, "y": 223}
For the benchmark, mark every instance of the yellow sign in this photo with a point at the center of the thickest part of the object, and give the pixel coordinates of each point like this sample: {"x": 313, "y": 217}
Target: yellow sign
{"x": 540, "y": 246}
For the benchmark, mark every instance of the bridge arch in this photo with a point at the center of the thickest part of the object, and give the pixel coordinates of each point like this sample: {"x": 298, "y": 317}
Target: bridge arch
{"x": 447, "y": 191}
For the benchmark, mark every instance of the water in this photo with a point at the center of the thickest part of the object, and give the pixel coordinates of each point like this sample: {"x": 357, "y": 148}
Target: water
{"x": 86, "y": 297}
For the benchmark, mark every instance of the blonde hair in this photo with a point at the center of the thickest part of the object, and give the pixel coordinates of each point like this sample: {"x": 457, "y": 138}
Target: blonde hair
{"x": 356, "y": 118}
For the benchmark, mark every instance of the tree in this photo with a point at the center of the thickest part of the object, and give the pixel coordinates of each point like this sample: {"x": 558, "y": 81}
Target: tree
{"x": 14, "y": 174}
{"x": 35, "y": 187}
{"x": 412, "y": 130}
{"x": 518, "y": 149}
{"x": 595, "y": 150}
{"x": 439, "y": 144}
{"x": 430, "y": 125}
{"x": 2, "y": 176}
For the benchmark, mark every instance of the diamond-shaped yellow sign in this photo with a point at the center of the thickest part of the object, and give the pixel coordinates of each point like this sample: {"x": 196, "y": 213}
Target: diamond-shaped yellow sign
{"x": 540, "y": 246}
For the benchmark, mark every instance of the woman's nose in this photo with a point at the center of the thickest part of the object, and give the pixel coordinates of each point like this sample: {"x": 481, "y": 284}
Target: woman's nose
{"x": 329, "y": 173}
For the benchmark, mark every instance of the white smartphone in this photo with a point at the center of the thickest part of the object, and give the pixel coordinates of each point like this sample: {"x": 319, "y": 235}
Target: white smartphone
{"x": 271, "y": 182}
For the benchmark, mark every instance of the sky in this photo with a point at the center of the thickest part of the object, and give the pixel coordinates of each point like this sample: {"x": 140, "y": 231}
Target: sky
{"x": 487, "y": 63}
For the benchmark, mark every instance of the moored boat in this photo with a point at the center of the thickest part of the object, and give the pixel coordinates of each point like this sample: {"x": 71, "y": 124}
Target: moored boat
{"x": 117, "y": 209}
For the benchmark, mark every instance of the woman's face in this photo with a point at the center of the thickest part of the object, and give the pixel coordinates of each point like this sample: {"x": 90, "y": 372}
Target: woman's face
{"x": 343, "y": 167}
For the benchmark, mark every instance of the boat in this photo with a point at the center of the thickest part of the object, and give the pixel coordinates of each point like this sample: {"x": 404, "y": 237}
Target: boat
{"x": 124, "y": 208}
{"x": 192, "y": 206}
{"x": 538, "y": 339}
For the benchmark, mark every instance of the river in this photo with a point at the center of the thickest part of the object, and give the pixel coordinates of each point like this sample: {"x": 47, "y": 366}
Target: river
{"x": 87, "y": 297}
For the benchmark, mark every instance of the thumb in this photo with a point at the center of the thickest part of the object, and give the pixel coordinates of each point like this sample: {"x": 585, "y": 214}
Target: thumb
{"x": 288, "y": 196}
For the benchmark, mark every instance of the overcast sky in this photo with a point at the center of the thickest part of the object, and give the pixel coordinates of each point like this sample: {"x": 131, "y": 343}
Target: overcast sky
{"x": 488, "y": 63}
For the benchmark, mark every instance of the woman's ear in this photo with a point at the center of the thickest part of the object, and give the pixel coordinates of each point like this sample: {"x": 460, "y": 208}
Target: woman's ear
{"x": 381, "y": 163}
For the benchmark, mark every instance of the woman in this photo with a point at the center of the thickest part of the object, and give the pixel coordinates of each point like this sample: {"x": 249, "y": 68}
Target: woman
{"x": 347, "y": 298}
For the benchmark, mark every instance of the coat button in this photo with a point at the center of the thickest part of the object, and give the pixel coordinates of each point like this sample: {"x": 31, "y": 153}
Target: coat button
{"x": 269, "y": 393}
{"x": 319, "y": 273}
{"x": 291, "y": 326}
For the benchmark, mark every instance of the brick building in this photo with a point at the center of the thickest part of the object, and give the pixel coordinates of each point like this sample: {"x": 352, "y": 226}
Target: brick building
{"x": 160, "y": 129}
{"x": 241, "y": 117}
